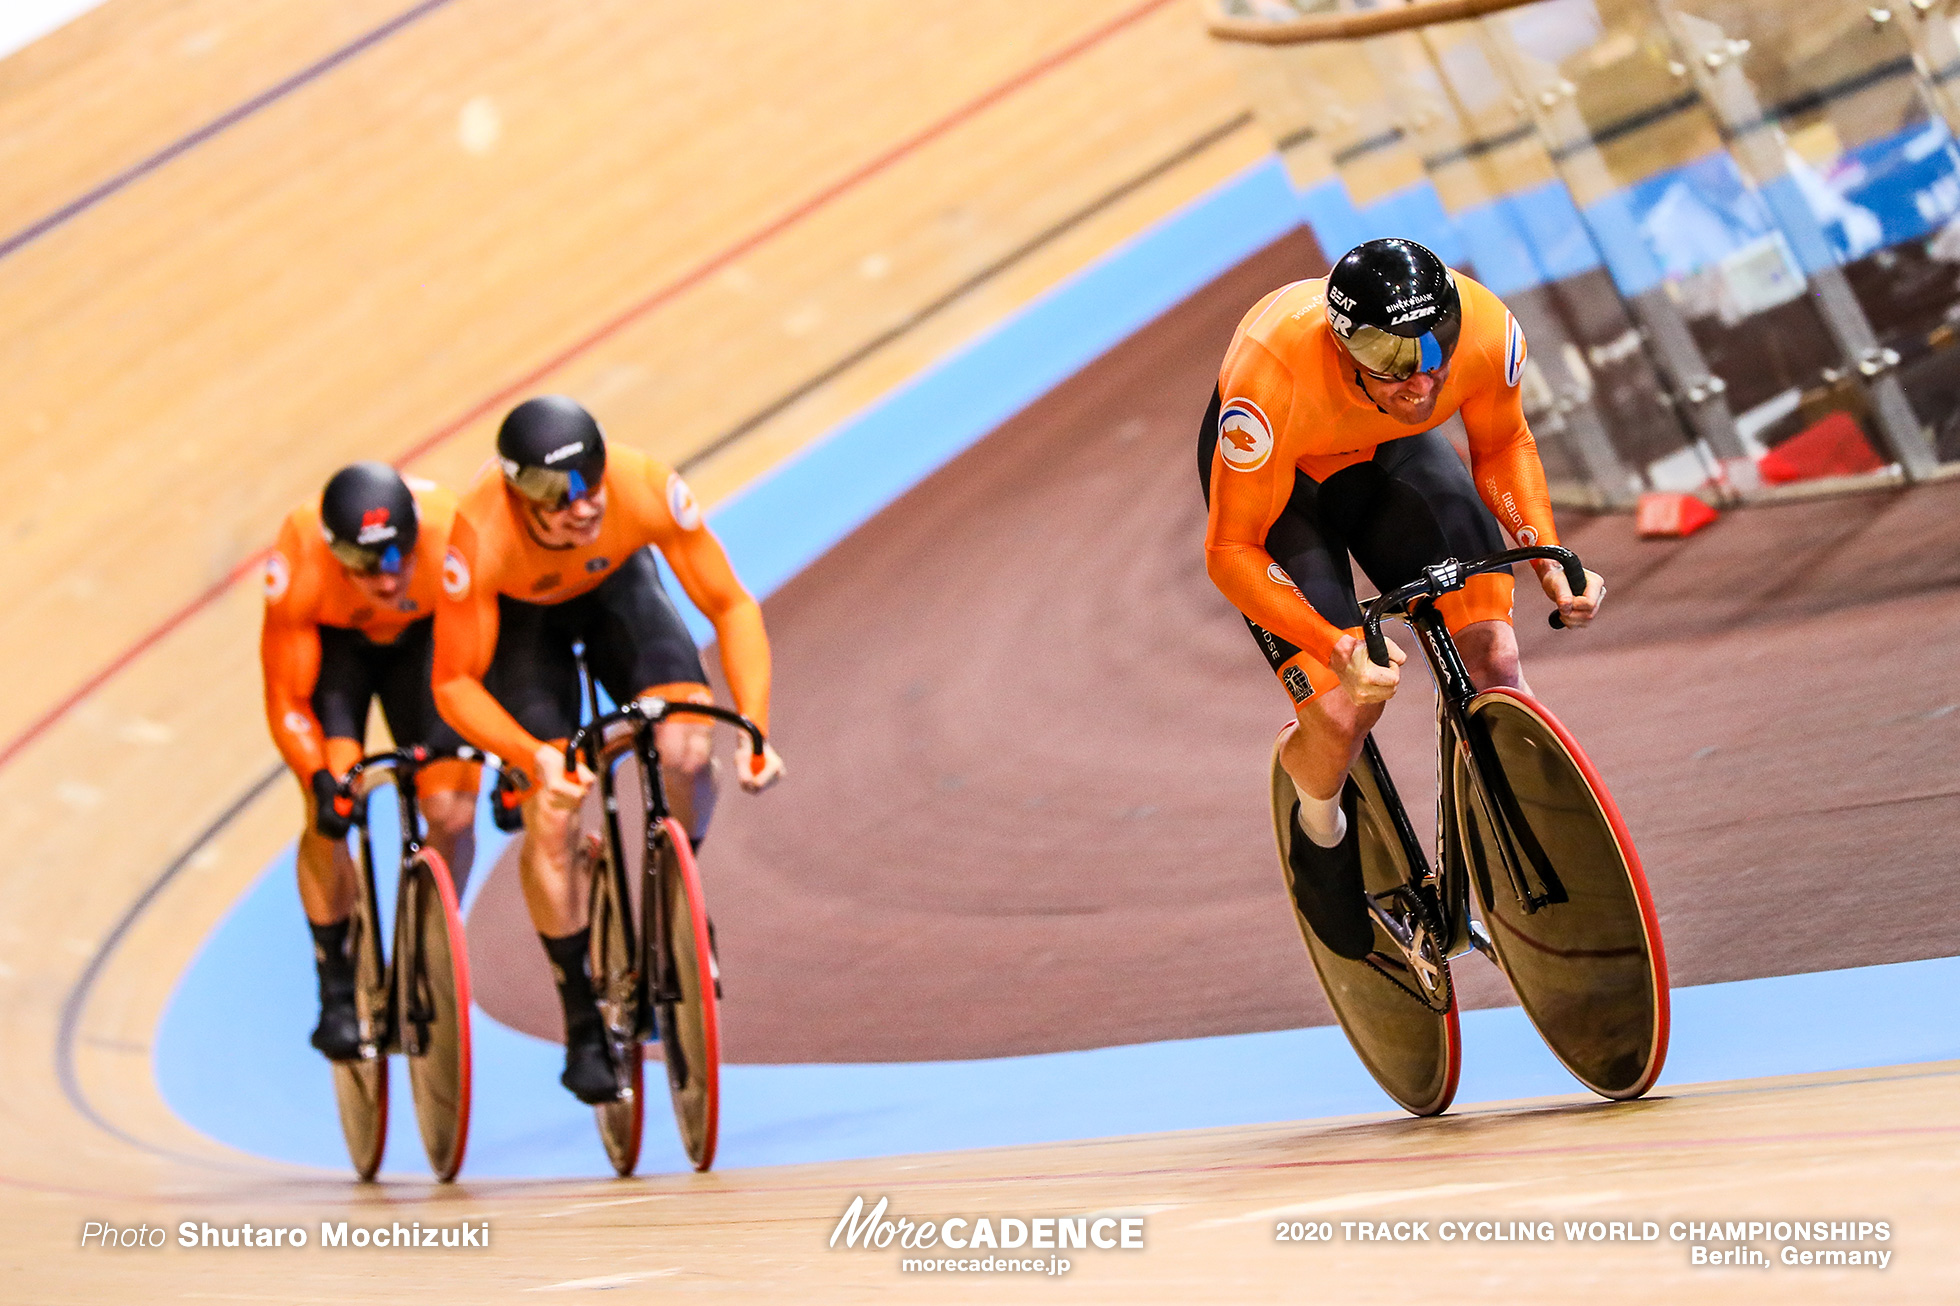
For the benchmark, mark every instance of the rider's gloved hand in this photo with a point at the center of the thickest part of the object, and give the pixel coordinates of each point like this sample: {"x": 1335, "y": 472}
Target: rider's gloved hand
{"x": 1364, "y": 681}
{"x": 756, "y": 774}
{"x": 1573, "y": 610}
{"x": 557, "y": 788}
{"x": 333, "y": 815}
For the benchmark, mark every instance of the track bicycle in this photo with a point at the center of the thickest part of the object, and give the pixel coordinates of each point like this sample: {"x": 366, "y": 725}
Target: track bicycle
{"x": 1527, "y": 827}
{"x": 418, "y": 1004}
{"x": 656, "y": 977}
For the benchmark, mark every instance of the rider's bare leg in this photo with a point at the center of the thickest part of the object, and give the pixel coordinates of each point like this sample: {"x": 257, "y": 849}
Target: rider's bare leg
{"x": 687, "y": 769}
{"x": 451, "y": 818}
{"x": 326, "y": 874}
{"x": 1490, "y": 654}
{"x": 326, "y": 868}
{"x": 557, "y": 891}
{"x": 1318, "y": 754}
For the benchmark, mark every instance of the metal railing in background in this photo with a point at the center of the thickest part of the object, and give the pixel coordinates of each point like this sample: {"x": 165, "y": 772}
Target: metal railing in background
{"x": 1730, "y": 229}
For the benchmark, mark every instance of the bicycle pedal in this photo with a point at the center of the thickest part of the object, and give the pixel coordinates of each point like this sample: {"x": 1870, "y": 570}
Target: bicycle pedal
{"x": 1481, "y": 941}
{"x": 1392, "y": 917}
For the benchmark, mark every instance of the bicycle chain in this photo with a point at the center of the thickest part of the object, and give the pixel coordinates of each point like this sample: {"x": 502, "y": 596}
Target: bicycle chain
{"x": 1433, "y": 929}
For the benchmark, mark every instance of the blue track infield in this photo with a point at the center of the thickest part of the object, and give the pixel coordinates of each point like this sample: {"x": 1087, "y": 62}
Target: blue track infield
{"x": 269, "y": 1094}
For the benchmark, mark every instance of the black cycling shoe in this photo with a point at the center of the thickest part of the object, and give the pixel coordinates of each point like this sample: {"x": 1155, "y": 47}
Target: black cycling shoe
{"x": 589, "y": 1069}
{"x": 338, "y": 1034}
{"x": 1327, "y": 886}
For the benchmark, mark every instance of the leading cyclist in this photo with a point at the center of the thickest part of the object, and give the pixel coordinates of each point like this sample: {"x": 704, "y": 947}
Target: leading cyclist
{"x": 350, "y": 599}
{"x": 1321, "y": 443}
{"x": 552, "y": 547}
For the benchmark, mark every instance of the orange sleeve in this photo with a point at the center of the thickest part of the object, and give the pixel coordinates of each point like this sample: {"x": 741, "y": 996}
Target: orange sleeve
{"x": 1503, "y": 456}
{"x": 465, "y": 641}
{"x": 289, "y": 654}
{"x": 701, "y": 566}
{"x": 1248, "y": 493}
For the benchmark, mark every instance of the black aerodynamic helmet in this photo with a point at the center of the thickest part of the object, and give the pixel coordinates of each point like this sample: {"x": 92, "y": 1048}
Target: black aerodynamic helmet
{"x": 1394, "y": 308}
{"x": 367, "y": 515}
{"x": 552, "y": 450}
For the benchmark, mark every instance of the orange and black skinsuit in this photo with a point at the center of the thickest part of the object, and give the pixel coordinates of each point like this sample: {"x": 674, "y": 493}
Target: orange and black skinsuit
{"x": 505, "y": 675}
{"x": 1301, "y": 469}
{"x": 327, "y": 651}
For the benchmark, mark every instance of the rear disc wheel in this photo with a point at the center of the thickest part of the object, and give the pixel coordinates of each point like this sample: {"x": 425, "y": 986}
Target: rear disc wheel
{"x": 1587, "y": 960}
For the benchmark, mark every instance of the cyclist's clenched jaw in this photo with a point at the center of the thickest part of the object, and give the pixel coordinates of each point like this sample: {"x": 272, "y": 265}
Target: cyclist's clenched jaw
{"x": 1411, "y": 402}
{"x": 572, "y": 526}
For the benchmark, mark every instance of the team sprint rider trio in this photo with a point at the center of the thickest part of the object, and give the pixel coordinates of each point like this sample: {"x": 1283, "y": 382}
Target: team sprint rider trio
{"x": 461, "y": 616}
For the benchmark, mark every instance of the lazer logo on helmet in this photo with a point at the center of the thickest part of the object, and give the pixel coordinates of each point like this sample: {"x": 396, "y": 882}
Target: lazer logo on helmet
{"x": 1245, "y": 437}
{"x": 564, "y": 451}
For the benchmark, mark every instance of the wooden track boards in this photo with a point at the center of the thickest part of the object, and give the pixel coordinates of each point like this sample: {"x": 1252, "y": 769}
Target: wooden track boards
{"x": 1872, "y": 1145}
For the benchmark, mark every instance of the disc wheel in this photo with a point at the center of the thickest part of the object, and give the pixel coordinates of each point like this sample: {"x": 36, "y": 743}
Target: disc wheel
{"x": 1587, "y": 964}
{"x": 435, "y": 1005}
{"x": 360, "y": 1086}
{"x": 686, "y": 995}
{"x": 1408, "y": 1041}
{"x": 616, "y": 981}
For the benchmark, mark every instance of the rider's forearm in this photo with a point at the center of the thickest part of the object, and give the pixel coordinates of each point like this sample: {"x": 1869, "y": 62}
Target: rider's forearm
{"x": 1245, "y": 574}
{"x": 745, "y": 660}
{"x": 295, "y": 731}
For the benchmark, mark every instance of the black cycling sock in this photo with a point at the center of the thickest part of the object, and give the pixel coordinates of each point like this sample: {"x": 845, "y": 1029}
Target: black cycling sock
{"x": 568, "y": 967}
{"x": 330, "y": 957}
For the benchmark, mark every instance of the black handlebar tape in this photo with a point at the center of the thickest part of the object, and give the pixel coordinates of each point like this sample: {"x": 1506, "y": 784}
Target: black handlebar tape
{"x": 1377, "y": 647}
{"x": 1555, "y": 621}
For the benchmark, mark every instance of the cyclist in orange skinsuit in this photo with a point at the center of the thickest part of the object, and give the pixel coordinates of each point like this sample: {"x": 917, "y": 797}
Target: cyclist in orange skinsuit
{"x": 557, "y": 548}
{"x": 350, "y": 597}
{"x": 1321, "y": 443}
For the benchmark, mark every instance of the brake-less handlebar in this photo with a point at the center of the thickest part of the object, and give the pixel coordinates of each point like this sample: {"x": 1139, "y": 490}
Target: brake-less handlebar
{"x": 1450, "y": 575}
{"x": 652, "y": 711}
{"x": 396, "y": 762}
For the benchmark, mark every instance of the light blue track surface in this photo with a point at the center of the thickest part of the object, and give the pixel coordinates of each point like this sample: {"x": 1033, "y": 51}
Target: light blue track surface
{"x": 232, "y": 1060}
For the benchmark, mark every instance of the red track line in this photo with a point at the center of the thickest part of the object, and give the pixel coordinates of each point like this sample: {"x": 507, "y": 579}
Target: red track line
{"x": 683, "y": 283}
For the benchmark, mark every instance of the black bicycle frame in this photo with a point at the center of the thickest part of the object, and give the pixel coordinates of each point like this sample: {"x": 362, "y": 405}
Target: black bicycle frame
{"x": 1518, "y": 847}
{"x": 639, "y": 717}
{"x": 406, "y": 1029}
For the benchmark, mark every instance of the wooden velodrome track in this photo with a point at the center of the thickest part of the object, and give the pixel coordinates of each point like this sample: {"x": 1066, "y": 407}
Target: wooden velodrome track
{"x": 725, "y": 228}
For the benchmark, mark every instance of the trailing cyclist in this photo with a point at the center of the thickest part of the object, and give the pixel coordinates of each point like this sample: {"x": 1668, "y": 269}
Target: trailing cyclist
{"x": 350, "y": 600}
{"x": 1321, "y": 443}
{"x": 552, "y": 548}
